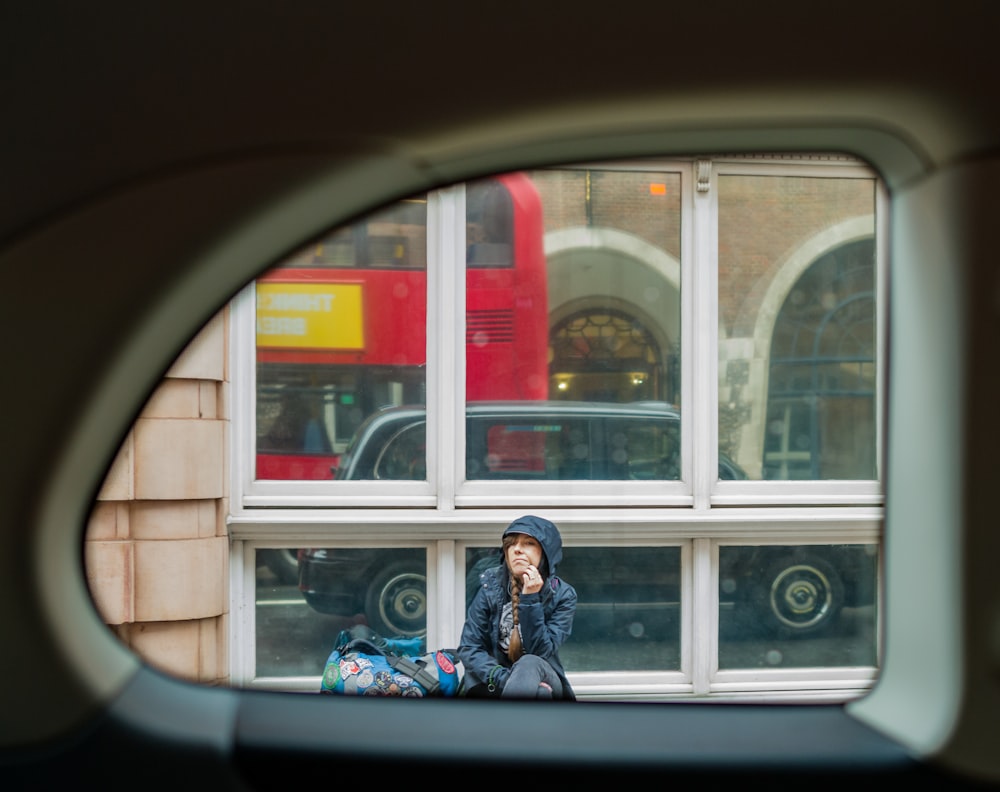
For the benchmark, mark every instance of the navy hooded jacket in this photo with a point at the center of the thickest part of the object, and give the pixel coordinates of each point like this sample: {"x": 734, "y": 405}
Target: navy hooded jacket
{"x": 545, "y": 617}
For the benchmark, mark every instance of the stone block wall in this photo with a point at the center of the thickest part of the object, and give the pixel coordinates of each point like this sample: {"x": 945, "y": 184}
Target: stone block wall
{"x": 156, "y": 548}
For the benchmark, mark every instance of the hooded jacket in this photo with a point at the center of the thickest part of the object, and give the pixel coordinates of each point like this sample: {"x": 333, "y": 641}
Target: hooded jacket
{"x": 545, "y": 617}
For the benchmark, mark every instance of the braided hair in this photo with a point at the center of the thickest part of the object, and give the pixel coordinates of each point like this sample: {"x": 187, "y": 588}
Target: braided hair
{"x": 515, "y": 649}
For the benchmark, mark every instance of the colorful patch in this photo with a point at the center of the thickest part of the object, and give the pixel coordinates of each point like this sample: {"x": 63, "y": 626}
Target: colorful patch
{"x": 348, "y": 667}
{"x": 383, "y": 679}
{"x": 332, "y": 675}
{"x": 444, "y": 662}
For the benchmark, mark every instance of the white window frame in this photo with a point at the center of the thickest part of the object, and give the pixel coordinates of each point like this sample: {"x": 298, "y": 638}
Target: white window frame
{"x": 445, "y": 513}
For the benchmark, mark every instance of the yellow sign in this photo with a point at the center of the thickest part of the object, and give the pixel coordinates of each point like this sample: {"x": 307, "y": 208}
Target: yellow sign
{"x": 310, "y": 315}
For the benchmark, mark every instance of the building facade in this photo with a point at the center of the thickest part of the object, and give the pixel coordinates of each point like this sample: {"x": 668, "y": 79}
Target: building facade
{"x": 744, "y": 291}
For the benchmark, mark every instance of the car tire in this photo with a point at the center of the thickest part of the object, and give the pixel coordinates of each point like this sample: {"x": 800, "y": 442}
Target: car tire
{"x": 283, "y": 563}
{"x": 799, "y": 595}
{"x": 396, "y": 602}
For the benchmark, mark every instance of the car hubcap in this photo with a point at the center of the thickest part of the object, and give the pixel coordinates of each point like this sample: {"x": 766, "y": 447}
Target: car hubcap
{"x": 801, "y": 596}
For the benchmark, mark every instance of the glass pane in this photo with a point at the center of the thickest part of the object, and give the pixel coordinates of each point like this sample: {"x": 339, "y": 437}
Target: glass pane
{"x": 489, "y": 224}
{"x": 340, "y": 334}
{"x": 383, "y": 588}
{"x": 797, "y": 319}
{"x": 801, "y": 606}
{"x": 292, "y": 638}
{"x": 404, "y": 457}
{"x": 506, "y": 305}
{"x": 530, "y": 441}
{"x": 627, "y": 613}
{"x": 566, "y": 440}
{"x": 297, "y": 625}
{"x": 390, "y": 444}
{"x": 591, "y": 325}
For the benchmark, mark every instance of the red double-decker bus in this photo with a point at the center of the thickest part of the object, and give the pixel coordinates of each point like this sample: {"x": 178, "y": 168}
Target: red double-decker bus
{"x": 341, "y": 325}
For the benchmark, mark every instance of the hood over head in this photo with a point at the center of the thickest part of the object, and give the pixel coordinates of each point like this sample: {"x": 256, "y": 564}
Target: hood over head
{"x": 545, "y": 532}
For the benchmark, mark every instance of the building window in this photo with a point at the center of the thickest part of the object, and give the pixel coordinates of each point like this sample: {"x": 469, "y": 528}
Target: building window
{"x": 821, "y": 383}
{"x": 685, "y": 378}
{"x": 608, "y": 356}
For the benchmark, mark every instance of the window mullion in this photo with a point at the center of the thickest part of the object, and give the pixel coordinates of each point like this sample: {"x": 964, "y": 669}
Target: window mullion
{"x": 445, "y": 333}
{"x": 703, "y": 367}
{"x": 242, "y": 621}
{"x": 244, "y": 416}
{"x": 882, "y": 313}
{"x": 704, "y": 614}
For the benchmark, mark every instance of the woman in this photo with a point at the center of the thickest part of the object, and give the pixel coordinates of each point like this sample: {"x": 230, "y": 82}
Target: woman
{"x": 519, "y": 617}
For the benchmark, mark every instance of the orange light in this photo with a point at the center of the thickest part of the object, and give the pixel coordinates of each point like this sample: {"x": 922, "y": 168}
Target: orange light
{"x": 657, "y": 189}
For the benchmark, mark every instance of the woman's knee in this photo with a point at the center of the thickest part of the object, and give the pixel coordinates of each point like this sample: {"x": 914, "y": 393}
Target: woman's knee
{"x": 534, "y": 664}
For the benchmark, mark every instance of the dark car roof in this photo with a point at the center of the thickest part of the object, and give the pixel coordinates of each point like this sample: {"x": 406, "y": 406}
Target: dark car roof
{"x": 549, "y": 407}
{"x": 382, "y": 421}
{"x": 408, "y": 412}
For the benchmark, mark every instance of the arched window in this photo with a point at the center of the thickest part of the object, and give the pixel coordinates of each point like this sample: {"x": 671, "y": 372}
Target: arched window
{"x": 821, "y": 398}
{"x": 607, "y": 355}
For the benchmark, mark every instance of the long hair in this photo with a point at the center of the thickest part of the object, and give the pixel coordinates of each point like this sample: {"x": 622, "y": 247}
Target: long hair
{"x": 515, "y": 649}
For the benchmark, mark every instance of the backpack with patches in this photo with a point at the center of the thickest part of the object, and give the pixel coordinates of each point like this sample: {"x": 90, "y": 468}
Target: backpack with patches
{"x": 364, "y": 663}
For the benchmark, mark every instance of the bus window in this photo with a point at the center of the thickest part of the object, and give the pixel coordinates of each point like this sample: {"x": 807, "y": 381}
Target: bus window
{"x": 342, "y": 322}
{"x": 489, "y": 229}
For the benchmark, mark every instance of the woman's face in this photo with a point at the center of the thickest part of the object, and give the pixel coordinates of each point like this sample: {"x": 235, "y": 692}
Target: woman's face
{"x": 523, "y": 553}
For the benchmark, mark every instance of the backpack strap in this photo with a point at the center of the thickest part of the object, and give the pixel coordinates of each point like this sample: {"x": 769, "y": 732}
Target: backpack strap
{"x": 416, "y": 669}
{"x": 362, "y": 645}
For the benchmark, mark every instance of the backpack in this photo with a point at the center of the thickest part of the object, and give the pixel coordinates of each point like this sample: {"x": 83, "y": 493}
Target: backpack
{"x": 364, "y": 663}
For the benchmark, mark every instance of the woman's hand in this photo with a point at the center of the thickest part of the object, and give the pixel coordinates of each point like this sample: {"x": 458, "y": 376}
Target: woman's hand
{"x": 531, "y": 580}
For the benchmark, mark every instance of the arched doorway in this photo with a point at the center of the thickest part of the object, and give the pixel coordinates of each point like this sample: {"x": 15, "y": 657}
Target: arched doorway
{"x": 608, "y": 355}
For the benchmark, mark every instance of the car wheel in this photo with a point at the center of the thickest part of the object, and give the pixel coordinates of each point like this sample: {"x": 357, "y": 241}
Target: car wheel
{"x": 800, "y": 595}
{"x": 283, "y": 563}
{"x": 396, "y": 604}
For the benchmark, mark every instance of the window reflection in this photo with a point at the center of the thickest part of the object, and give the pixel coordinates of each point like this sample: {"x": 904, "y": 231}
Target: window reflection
{"x": 602, "y": 355}
{"x": 791, "y": 606}
{"x": 506, "y": 295}
{"x": 489, "y": 223}
{"x": 821, "y": 396}
{"x": 573, "y": 441}
{"x": 628, "y": 607}
{"x": 794, "y": 606}
{"x": 544, "y": 441}
{"x": 797, "y": 278}
{"x": 612, "y": 272}
{"x": 340, "y": 333}
{"x": 385, "y": 588}
{"x": 574, "y": 368}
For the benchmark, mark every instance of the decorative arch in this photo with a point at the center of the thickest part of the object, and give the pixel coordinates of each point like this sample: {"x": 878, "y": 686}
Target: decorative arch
{"x": 664, "y": 271}
{"x": 787, "y": 276}
{"x": 853, "y": 229}
{"x": 626, "y": 327}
